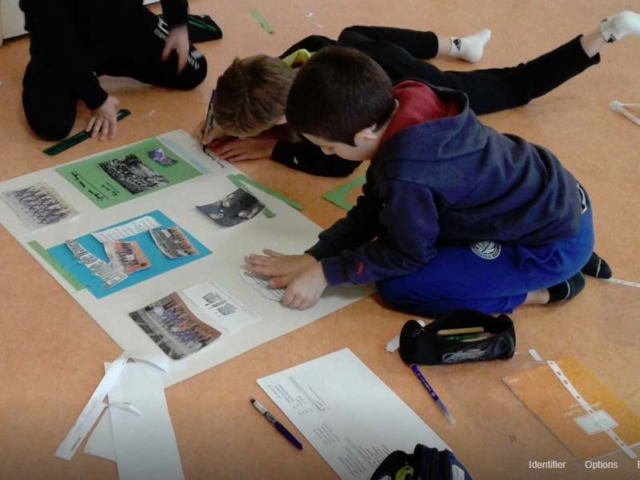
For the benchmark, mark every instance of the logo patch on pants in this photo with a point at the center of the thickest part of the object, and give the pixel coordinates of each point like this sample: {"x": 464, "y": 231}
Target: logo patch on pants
{"x": 487, "y": 249}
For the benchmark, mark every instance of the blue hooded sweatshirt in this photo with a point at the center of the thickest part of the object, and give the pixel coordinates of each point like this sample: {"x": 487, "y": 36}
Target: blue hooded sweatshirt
{"x": 447, "y": 180}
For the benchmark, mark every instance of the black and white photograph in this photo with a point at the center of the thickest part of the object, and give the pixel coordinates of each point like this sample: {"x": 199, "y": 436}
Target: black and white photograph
{"x": 172, "y": 242}
{"x": 237, "y": 207}
{"x": 133, "y": 175}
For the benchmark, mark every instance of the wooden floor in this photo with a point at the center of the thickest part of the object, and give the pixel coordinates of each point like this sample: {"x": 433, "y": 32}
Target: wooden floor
{"x": 51, "y": 351}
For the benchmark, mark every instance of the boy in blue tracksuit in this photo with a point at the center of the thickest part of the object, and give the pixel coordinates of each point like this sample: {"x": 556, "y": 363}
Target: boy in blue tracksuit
{"x": 453, "y": 213}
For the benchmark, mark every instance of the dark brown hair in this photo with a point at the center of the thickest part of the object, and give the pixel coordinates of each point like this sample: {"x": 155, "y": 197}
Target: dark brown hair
{"x": 337, "y": 93}
{"x": 251, "y": 95}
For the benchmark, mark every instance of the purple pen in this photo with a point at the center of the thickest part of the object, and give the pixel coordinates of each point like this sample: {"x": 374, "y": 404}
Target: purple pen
{"x": 433, "y": 394}
{"x": 278, "y": 426}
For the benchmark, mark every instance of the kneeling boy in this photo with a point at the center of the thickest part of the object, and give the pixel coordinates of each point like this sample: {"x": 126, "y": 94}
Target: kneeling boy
{"x": 453, "y": 213}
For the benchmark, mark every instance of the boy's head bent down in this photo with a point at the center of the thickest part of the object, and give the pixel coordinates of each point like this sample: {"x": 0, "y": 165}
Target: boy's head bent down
{"x": 341, "y": 100}
{"x": 251, "y": 95}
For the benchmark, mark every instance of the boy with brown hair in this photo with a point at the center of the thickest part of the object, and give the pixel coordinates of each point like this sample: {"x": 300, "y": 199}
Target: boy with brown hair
{"x": 251, "y": 96}
{"x": 251, "y": 93}
{"x": 453, "y": 214}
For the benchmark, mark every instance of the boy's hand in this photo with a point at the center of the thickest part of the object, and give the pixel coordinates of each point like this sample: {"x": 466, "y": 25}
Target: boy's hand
{"x": 301, "y": 274}
{"x": 104, "y": 120}
{"x": 243, "y": 148}
{"x": 282, "y": 269}
{"x": 215, "y": 134}
{"x": 177, "y": 40}
{"x": 306, "y": 288}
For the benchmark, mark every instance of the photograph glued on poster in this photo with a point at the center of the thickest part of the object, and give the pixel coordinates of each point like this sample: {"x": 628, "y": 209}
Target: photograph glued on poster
{"x": 237, "y": 207}
{"x": 174, "y": 327}
{"x": 172, "y": 242}
{"x": 133, "y": 175}
{"x": 127, "y": 256}
{"x": 38, "y": 206}
{"x": 158, "y": 156}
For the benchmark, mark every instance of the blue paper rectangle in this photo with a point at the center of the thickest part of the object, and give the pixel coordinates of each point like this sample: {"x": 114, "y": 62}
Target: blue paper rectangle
{"x": 159, "y": 263}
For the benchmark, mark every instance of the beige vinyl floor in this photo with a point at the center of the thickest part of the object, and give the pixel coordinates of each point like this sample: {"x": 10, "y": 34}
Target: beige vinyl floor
{"x": 51, "y": 350}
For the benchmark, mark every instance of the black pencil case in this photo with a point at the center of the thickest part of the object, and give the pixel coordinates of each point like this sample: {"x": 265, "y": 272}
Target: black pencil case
{"x": 425, "y": 346}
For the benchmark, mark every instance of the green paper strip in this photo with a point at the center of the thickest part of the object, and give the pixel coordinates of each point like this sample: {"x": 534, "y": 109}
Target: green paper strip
{"x": 238, "y": 183}
{"x": 64, "y": 273}
{"x": 273, "y": 193}
{"x": 79, "y": 137}
{"x": 263, "y": 23}
{"x": 339, "y": 195}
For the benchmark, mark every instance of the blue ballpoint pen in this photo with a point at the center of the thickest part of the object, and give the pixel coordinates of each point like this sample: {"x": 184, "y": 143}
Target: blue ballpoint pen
{"x": 208, "y": 122}
{"x": 433, "y": 394}
{"x": 278, "y": 426}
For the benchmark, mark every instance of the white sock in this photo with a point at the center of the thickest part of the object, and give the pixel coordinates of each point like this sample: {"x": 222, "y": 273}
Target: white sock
{"x": 470, "y": 48}
{"x": 621, "y": 24}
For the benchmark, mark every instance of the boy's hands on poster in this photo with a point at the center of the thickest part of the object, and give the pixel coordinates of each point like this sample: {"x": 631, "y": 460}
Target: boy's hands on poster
{"x": 281, "y": 268}
{"x": 103, "y": 123}
{"x": 302, "y": 275}
{"x": 177, "y": 40}
{"x": 240, "y": 149}
{"x": 306, "y": 288}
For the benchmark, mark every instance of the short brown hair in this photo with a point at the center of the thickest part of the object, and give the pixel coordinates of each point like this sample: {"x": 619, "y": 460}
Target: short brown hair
{"x": 337, "y": 93}
{"x": 251, "y": 95}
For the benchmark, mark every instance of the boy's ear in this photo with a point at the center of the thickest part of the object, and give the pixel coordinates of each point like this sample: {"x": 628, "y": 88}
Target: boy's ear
{"x": 367, "y": 135}
{"x": 281, "y": 121}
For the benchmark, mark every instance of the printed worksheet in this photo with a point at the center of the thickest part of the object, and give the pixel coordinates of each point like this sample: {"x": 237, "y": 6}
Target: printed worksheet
{"x": 221, "y": 308}
{"x": 347, "y": 413}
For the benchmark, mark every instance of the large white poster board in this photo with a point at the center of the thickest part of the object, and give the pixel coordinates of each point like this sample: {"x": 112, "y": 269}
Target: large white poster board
{"x": 288, "y": 231}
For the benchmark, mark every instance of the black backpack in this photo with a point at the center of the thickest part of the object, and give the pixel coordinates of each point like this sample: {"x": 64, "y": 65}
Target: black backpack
{"x": 424, "y": 464}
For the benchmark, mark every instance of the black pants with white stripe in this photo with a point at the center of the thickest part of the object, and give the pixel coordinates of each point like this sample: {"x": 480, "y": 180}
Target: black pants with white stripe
{"x": 50, "y": 102}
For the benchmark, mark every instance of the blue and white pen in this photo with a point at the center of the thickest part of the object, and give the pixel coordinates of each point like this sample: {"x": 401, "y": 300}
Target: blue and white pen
{"x": 278, "y": 426}
{"x": 208, "y": 122}
{"x": 433, "y": 394}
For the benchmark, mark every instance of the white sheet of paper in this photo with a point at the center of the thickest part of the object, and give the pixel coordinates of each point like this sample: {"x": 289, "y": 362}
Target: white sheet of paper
{"x": 146, "y": 447}
{"x": 128, "y": 230}
{"x": 92, "y": 409}
{"x": 347, "y": 413}
{"x": 221, "y": 309}
{"x": 100, "y": 442}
